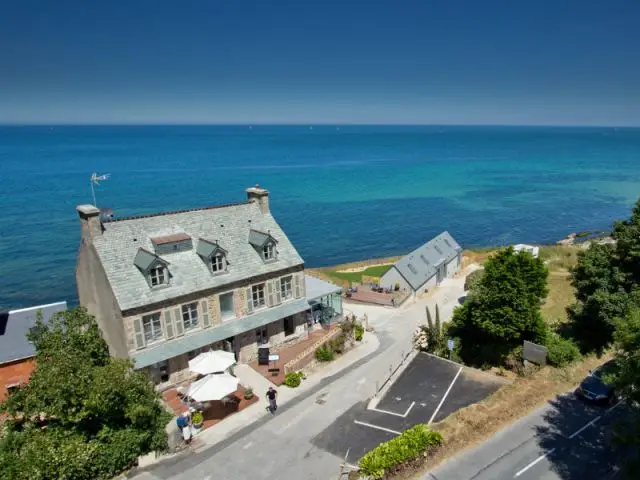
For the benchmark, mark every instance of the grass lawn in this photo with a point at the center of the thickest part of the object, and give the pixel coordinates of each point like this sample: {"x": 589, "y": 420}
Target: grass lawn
{"x": 561, "y": 295}
{"x": 374, "y": 271}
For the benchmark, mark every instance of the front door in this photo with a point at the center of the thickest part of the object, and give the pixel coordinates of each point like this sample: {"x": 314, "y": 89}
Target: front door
{"x": 229, "y": 346}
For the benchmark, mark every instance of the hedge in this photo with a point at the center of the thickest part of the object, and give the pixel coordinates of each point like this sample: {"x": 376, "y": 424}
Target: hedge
{"x": 409, "y": 445}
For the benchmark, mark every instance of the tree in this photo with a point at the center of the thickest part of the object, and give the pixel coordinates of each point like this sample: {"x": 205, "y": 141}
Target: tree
{"x": 606, "y": 280}
{"x": 504, "y": 309}
{"x": 627, "y": 380}
{"x": 430, "y": 337}
{"x": 83, "y": 414}
{"x": 473, "y": 280}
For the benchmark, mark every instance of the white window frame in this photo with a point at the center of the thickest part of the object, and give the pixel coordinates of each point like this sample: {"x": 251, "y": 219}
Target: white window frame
{"x": 189, "y": 313}
{"x": 158, "y": 276}
{"x": 286, "y": 287}
{"x": 156, "y": 333}
{"x": 259, "y": 295}
{"x": 218, "y": 263}
{"x": 233, "y": 304}
{"x": 268, "y": 251}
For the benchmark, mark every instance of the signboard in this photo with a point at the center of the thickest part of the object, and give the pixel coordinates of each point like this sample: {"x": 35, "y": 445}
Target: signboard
{"x": 451, "y": 344}
{"x": 274, "y": 357}
{"x": 534, "y": 353}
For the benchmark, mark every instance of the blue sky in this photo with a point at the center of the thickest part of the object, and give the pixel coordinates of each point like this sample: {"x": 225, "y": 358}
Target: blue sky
{"x": 331, "y": 61}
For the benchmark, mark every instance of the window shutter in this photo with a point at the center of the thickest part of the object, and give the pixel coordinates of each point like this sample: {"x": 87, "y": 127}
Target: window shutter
{"x": 278, "y": 293}
{"x": 179, "y": 324}
{"x": 204, "y": 312}
{"x": 249, "y": 301}
{"x": 138, "y": 333}
{"x": 270, "y": 293}
{"x": 167, "y": 324}
{"x": 296, "y": 282}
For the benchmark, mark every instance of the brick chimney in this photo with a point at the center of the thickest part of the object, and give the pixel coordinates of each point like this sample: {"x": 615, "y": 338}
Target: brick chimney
{"x": 90, "y": 222}
{"x": 259, "y": 195}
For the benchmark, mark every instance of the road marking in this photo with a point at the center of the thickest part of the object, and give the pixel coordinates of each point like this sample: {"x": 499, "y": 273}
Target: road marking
{"x": 579, "y": 431}
{"x": 388, "y": 412}
{"x": 445, "y": 396}
{"x": 376, "y": 427}
{"x": 247, "y": 445}
{"x": 541, "y": 457}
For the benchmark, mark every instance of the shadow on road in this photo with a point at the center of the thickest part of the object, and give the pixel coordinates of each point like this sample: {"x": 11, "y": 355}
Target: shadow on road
{"x": 580, "y": 439}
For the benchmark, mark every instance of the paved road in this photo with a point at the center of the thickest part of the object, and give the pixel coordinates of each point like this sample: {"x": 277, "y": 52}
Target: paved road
{"x": 567, "y": 439}
{"x": 283, "y": 446}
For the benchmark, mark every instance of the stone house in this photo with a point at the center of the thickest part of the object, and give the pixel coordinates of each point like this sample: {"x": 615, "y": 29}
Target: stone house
{"x": 425, "y": 267}
{"x": 16, "y": 352}
{"x": 165, "y": 287}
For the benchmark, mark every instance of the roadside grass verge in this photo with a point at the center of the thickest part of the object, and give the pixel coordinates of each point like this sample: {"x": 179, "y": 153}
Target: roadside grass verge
{"x": 476, "y": 423}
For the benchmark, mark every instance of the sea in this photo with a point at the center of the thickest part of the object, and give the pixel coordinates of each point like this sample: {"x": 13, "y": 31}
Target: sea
{"x": 341, "y": 193}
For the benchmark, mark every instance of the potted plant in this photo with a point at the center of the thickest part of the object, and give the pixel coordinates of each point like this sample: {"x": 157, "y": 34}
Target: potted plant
{"x": 197, "y": 420}
{"x": 248, "y": 393}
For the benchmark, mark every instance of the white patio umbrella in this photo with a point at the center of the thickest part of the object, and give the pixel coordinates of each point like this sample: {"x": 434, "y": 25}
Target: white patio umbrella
{"x": 211, "y": 362}
{"x": 213, "y": 387}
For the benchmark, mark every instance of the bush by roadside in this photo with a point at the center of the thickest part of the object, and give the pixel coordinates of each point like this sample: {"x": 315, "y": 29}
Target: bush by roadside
{"x": 561, "y": 351}
{"x": 324, "y": 353}
{"x": 294, "y": 379}
{"x": 390, "y": 456}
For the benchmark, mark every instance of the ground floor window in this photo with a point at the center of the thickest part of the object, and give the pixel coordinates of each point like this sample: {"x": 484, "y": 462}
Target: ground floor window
{"x": 289, "y": 326}
{"x": 261, "y": 336}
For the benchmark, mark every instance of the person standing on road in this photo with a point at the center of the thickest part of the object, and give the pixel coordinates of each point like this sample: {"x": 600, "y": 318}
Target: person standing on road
{"x": 271, "y": 395}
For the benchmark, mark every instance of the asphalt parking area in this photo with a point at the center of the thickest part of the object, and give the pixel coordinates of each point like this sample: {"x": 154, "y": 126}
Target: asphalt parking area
{"x": 428, "y": 390}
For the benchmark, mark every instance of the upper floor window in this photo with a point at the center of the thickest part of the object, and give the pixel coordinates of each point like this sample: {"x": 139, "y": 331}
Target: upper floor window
{"x": 190, "y": 315}
{"x": 257, "y": 294}
{"x": 217, "y": 263}
{"x": 152, "y": 327}
{"x": 286, "y": 288}
{"x": 158, "y": 276}
{"x": 268, "y": 251}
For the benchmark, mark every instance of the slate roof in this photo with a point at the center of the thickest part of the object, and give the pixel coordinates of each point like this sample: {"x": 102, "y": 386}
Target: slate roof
{"x": 13, "y": 336}
{"x": 230, "y": 225}
{"x": 420, "y": 265}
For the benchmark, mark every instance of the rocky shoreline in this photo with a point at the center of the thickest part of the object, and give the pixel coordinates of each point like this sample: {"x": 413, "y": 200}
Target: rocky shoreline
{"x": 586, "y": 238}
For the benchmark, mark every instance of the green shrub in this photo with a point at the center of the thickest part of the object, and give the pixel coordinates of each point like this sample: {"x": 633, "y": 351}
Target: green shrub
{"x": 405, "y": 447}
{"x": 324, "y": 353}
{"x": 359, "y": 332}
{"x": 562, "y": 351}
{"x": 248, "y": 393}
{"x": 197, "y": 418}
{"x": 473, "y": 280}
{"x": 294, "y": 379}
{"x": 336, "y": 344}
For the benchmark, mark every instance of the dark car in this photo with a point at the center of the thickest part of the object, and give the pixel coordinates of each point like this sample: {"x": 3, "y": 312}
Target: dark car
{"x": 596, "y": 388}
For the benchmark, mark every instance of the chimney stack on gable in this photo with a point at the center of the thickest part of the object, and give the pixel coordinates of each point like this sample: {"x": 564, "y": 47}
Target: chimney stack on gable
{"x": 260, "y": 196}
{"x": 90, "y": 222}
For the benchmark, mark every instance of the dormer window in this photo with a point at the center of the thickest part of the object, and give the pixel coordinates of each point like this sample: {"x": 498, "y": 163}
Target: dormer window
{"x": 157, "y": 276}
{"x": 264, "y": 244}
{"x": 214, "y": 256}
{"x": 269, "y": 251}
{"x": 217, "y": 263}
{"x": 154, "y": 268}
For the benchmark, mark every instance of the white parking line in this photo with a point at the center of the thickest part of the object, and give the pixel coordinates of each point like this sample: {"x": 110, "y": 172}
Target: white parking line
{"x": 572, "y": 436}
{"x": 403, "y": 415}
{"x": 445, "y": 396}
{"x": 541, "y": 457}
{"x": 376, "y": 427}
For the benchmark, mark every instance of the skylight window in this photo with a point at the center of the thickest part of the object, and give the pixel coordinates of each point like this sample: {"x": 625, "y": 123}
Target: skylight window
{"x": 413, "y": 269}
{"x": 447, "y": 242}
{"x": 424, "y": 259}
{"x": 438, "y": 249}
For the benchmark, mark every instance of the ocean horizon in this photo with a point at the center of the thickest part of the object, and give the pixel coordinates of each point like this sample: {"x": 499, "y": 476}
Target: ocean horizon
{"x": 341, "y": 192}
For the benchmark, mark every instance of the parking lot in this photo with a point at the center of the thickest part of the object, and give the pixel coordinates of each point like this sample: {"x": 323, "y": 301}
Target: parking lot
{"x": 428, "y": 390}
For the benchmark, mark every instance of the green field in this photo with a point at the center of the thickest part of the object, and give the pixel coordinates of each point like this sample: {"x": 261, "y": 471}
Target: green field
{"x": 374, "y": 271}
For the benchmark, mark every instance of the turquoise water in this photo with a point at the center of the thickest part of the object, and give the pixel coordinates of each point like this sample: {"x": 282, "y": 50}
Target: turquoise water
{"x": 341, "y": 193}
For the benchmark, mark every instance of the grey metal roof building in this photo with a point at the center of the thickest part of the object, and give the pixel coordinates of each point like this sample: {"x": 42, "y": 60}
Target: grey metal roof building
{"x": 15, "y": 325}
{"x": 126, "y": 247}
{"x": 422, "y": 264}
